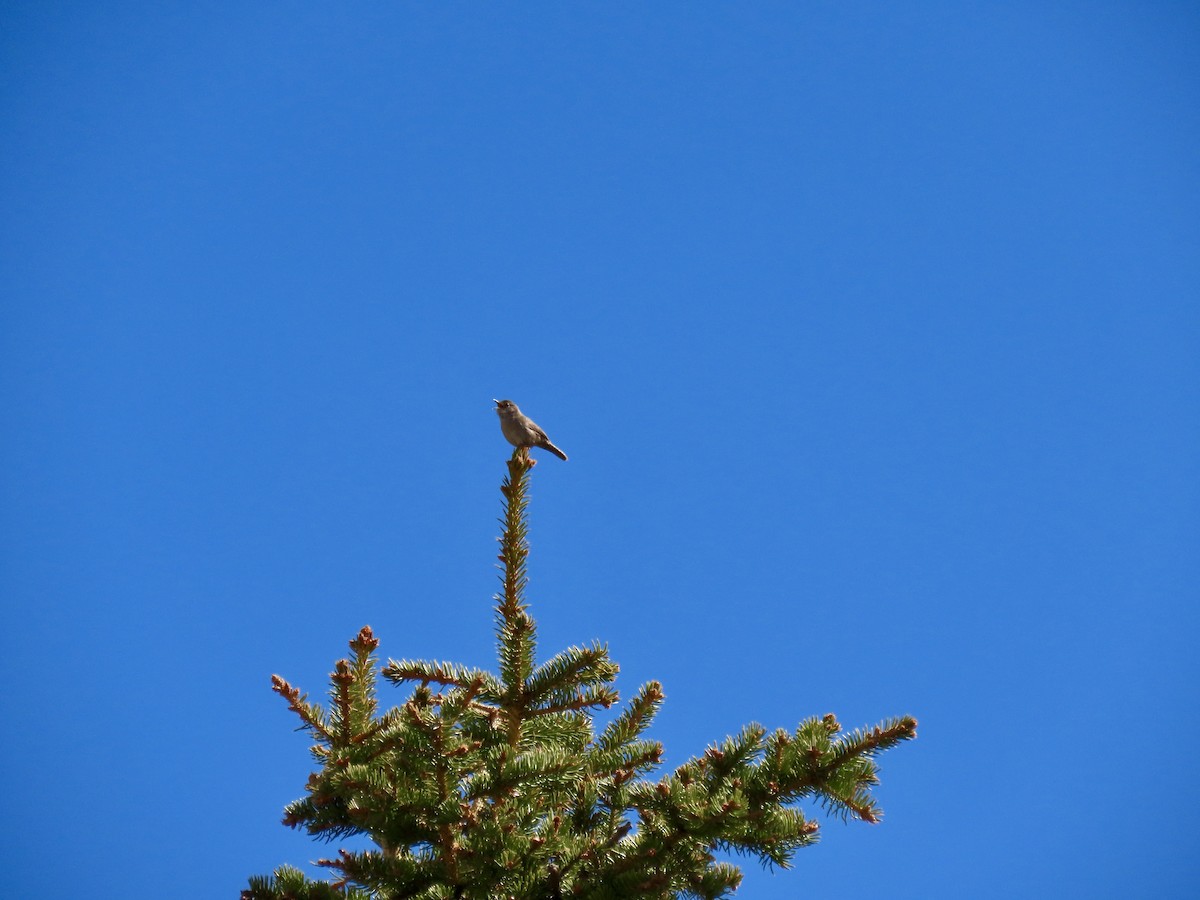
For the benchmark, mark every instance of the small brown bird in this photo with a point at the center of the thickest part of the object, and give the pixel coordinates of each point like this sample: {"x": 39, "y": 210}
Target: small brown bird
{"x": 521, "y": 431}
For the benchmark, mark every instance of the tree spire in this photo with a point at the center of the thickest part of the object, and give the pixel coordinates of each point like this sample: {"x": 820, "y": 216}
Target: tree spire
{"x": 482, "y": 785}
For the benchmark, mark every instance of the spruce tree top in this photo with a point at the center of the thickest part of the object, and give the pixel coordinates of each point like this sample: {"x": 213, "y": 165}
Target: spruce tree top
{"x": 489, "y": 785}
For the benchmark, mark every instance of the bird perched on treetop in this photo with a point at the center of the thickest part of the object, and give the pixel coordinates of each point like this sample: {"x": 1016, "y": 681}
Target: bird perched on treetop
{"x": 521, "y": 431}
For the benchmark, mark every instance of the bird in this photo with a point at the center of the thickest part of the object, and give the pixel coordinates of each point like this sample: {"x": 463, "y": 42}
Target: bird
{"x": 521, "y": 431}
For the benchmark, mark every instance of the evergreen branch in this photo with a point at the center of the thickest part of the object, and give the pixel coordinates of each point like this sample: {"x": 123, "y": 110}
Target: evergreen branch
{"x": 574, "y": 666}
{"x": 363, "y": 668}
{"x": 571, "y": 730}
{"x": 289, "y": 883}
{"x": 447, "y": 846}
{"x": 623, "y": 762}
{"x": 341, "y": 693}
{"x": 394, "y": 875}
{"x": 717, "y": 880}
{"x": 584, "y": 699}
{"x": 310, "y": 713}
{"x": 514, "y": 548}
{"x": 481, "y": 683}
{"x": 635, "y": 719}
{"x": 858, "y": 803}
{"x": 516, "y": 633}
{"x": 461, "y": 706}
{"x": 881, "y": 737}
{"x": 532, "y": 768}
{"x": 515, "y": 628}
{"x": 734, "y": 754}
{"x": 383, "y": 733}
{"x": 837, "y": 772}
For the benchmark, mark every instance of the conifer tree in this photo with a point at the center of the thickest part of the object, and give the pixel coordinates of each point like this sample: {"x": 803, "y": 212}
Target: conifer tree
{"x": 489, "y": 785}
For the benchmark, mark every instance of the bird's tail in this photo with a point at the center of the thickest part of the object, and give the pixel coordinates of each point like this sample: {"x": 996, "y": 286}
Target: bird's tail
{"x": 549, "y": 446}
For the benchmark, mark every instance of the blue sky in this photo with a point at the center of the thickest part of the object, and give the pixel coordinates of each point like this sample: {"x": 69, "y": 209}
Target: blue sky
{"x": 871, "y": 332}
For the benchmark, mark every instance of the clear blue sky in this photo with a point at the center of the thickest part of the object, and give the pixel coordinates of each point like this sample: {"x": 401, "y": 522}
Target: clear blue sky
{"x": 871, "y": 330}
